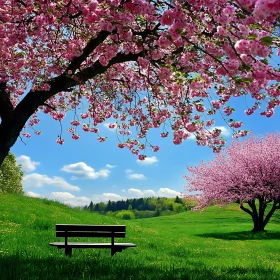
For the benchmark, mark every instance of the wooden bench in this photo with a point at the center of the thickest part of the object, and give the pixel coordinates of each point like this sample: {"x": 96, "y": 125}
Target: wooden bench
{"x": 110, "y": 231}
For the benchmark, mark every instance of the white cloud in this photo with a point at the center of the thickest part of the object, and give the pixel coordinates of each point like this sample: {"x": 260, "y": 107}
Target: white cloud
{"x": 149, "y": 193}
{"x": 138, "y": 193}
{"x": 224, "y": 132}
{"x": 32, "y": 194}
{"x": 136, "y": 176}
{"x": 39, "y": 180}
{"x": 62, "y": 195}
{"x": 110, "y": 166}
{"x": 26, "y": 163}
{"x": 105, "y": 197}
{"x": 83, "y": 171}
{"x": 162, "y": 192}
{"x": 192, "y": 137}
{"x": 70, "y": 199}
{"x": 135, "y": 192}
{"x": 166, "y": 192}
{"x": 148, "y": 161}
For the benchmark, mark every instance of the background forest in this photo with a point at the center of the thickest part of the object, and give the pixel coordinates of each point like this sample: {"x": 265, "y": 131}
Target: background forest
{"x": 142, "y": 207}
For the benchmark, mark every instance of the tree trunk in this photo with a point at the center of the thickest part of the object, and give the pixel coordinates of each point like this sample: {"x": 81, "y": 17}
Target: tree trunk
{"x": 4, "y": 146}
{"x": 3, "y": 154}
{"x": 9, "y": 132}
{"x": 258, "y": 224}
{"x": 258, "y": 215}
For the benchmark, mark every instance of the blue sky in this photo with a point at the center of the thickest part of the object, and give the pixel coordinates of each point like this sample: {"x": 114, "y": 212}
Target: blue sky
{"x": 83, "y": 170}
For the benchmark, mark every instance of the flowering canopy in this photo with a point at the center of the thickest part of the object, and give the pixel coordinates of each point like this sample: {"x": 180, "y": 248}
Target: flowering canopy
{"x": 244, "y": 172}
{"x": 141, "y": 63}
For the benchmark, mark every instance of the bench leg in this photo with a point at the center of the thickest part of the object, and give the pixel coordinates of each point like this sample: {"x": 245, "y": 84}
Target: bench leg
{"x": 115, "y": 250}
{"x": 68, "y": 251}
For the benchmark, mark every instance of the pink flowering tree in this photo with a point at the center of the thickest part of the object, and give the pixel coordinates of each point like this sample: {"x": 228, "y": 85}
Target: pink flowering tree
{"x": 138, "y": 64}
{"x": 246, "y": 172}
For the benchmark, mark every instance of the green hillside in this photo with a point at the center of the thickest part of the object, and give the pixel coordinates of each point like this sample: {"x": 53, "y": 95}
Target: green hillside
{"x": 216, "y": 244}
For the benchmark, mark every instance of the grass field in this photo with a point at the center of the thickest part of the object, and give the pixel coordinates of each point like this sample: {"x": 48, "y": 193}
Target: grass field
{"x": 217, "y": 244}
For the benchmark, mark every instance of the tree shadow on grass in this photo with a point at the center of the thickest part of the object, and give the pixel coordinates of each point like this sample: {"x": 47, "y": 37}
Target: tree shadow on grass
{"x": 52, "y": 268}
{"x": 242, "y": 235}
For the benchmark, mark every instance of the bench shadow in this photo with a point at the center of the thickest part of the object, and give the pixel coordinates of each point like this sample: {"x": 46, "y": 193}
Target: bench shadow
{"x": 52, "y": 268}
{"x": 242, "y": 235}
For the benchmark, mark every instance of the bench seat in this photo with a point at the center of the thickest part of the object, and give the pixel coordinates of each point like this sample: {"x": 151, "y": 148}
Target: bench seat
{"x": 91, "y": 245}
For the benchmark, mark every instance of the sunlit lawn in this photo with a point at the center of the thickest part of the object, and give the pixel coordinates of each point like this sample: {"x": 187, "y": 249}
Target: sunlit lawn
{"x": 216, "y": 244}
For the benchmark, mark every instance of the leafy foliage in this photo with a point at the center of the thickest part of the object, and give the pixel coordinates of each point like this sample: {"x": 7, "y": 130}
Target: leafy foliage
{"x": 11, "y": 176}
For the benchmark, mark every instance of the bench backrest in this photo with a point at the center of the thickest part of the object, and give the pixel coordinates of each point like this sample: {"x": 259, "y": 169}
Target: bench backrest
{"x": 66, "y": 230}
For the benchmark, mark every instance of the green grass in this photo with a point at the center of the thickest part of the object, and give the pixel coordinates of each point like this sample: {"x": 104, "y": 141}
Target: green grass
{"x": 216, "y": 244}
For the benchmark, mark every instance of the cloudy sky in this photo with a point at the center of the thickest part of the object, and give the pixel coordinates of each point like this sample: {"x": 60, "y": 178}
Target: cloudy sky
{"x": 83, "y": 170}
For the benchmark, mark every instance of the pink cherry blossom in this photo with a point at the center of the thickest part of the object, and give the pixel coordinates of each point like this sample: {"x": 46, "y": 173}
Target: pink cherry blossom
{"x": 26, "y": 134}
{"x": 121, "y": 145}
{"x": 139, "y": 64}
{"x": 75, "y": 123}
{"x": 101, "y": 139}
{"x": 60, "y": 141}
{"x": 249, "y": 111}
{"x": 191, "y": 127}
{"x": 86, "y": 127}
{"x": 245, "y": 172}
{"x": 141, "y": 157}
{"x": 84, "y": 116}
{"x": 75, "y": 136}
{"x": 155, "y": 148}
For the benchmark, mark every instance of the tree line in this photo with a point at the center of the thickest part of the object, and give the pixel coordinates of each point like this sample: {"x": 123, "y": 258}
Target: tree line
{"x": 140, "y": 207}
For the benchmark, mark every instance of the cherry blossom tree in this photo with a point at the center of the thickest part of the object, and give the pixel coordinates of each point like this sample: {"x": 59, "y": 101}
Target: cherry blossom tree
{"x": 246, "y": 172}
{"x": 138, "y": 64}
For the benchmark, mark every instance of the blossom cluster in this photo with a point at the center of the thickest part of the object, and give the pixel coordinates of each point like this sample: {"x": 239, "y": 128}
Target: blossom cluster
{"x": 140, "y": 64}
{"x": 245, "y": 171}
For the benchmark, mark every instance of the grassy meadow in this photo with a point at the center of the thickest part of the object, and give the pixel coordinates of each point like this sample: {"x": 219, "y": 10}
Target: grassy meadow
{"x": 216, "y": 244}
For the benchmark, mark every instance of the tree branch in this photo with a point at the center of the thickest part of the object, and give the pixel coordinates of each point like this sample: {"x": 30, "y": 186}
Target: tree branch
{"x": 97, "y": 68}
{"x": 89, "y": 48}
{"x": 270, "y": 213}
{"x": 34, "y": 99}
{"x": 46, "y": 104}
{"x": 246, "y": 210}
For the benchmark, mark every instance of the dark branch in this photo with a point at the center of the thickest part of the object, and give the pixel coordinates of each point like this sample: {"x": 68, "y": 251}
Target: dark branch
{"x": 11, "y": 128}
{"x": 246, "y": 210}
{"x": 33, "y": 100}
{"x": 76, "y": 15}
{"x": 22, "y": 3}
{"x": 89, "y": 48}
{"x": 97, "y": 68}
{"x": 270, "y": 213}
{"x": 46, "y": 104}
